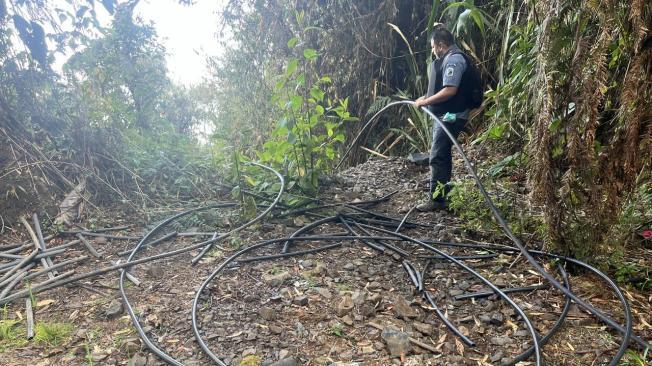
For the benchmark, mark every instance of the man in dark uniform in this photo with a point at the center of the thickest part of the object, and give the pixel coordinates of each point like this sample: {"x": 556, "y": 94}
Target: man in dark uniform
{"x": 447, "y": 102}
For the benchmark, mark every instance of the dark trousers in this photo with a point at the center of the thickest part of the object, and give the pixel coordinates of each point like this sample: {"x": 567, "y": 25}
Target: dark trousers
{"x": 441, "y": 159}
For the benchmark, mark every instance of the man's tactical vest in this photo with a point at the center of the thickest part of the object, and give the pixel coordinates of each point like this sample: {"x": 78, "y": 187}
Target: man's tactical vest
{"x": 469, "y": 94}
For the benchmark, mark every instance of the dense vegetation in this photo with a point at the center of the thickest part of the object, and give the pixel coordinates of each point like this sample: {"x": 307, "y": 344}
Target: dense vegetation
{"x": 567, "y": 118}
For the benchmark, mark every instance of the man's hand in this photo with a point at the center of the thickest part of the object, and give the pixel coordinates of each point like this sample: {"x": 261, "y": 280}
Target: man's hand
{"x": 443, "y": 95}
{"x": 419, "y": 102}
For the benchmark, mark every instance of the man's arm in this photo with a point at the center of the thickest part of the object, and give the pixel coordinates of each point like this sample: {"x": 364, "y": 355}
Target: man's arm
{"x": 443, "y": 95}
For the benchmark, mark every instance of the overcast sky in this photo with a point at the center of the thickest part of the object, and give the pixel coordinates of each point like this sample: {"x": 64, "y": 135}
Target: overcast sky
{"x": 187, "y": 32}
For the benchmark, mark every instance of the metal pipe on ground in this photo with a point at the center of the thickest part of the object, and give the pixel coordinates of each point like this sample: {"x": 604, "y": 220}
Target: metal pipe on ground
{"x": 19, "y": 265}
{"x": 56, "y": 266}
{"x": 36, "y": 243}
{"x": 88, "y": 246}
{"x": 152, "y": 243}
{"x": 19, "y": 277}
{"x": 41, "y": 241}
{"x": 509, "y": 290}
{"x": 12, "y": 277}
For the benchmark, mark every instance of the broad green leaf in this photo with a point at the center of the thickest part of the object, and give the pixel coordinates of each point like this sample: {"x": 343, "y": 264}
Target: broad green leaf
{"x": 296, "y": 101}
{"x": 280, "y": 84}
{"x": 310, "y": 54}
{"x": 317, "y": 93}
{"x": 301, "y": 79}
{"x": 250, "y": 180}
{"x": 292, "y": 42}
{"x": 477, "y": 18}
{"x": 292, "y": 66}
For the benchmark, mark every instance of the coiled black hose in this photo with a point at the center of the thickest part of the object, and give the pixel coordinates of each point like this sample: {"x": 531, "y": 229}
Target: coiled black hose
{"x": 134, "y": 318}
{"x": 233, "y": 258}
{"x": 528, "y": 323}
{"x": 627, "y": 331}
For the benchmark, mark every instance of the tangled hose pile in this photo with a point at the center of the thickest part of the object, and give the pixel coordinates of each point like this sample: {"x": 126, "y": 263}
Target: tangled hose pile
{"x": 339, "y": 224}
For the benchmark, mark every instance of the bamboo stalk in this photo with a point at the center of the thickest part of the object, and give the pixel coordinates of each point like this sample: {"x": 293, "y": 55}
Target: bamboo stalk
{"x": 398, "y": 139}
{"x": 196, "y": 234}
{"x": 384, "y": 140}
{"x": 10, "y": 256}
{"x": 129, "y": 276}
{"x": 67, "y": 245}
{"x": 47, "y": 282}
{"x": 57, "y": 250}
{"x": 96, "y": 231}
{"x": 18, "y": 249}
{"x": 374, "y": 152}
{"x": 9, "y": 247}
{"x": 45, "y": 254}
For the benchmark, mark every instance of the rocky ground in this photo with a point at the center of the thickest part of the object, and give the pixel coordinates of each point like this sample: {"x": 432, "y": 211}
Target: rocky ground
{"x": 350, "y": 305}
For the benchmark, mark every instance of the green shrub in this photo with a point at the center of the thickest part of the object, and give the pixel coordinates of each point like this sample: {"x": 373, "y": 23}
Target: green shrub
{"x": 52, "y": 334}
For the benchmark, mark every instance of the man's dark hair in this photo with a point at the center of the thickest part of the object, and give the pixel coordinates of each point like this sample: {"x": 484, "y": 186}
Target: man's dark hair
{"x": 443, "y": 35}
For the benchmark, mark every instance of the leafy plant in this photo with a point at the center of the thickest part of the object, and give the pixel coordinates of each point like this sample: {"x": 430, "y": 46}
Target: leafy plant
{"x": 504, "y": 166}
{"x": 633, "y": 358}
{"x": 304, "y": 141}
{"x": 52, "y": 334}
{"x": 343, "y": 287}
{"x": 10, "y": 335}
{"x": 470, "y": 16}
{"x": 635, "y": 216}
{"x": 469, "y": 205}
{"x": 336, "y": 329}
{"x": 418, "y": 132}
{"x": 10, "y": 332}
{"x": 510, "y": 103}
{"x": 630, "y": 272}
